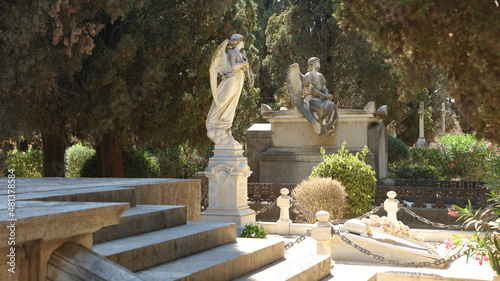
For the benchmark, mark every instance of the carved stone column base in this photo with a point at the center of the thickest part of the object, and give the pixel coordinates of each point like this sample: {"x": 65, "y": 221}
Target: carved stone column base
{"x": 227, "y": 174}
{"x": 239, "y": 217}
{"x": 421, "y": 143}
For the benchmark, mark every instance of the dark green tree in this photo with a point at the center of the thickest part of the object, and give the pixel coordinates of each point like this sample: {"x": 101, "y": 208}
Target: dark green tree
{"x": 355, "y": 72}
{"x": 119, "y": 70}
{"x": 43, "y": 45}
{"x": 458, "y": 36}
{"x": 148, "y": 77}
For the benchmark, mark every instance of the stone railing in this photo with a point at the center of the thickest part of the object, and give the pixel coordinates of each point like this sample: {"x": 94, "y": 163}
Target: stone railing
{"x": 435, "y": 194}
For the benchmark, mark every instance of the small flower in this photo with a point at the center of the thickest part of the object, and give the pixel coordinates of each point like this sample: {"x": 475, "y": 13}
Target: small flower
{"x": 472, "y": 150}
{"x": 453, "y": 212}
{"x": 485, "y": 258}
{"x": 448, "y": 244}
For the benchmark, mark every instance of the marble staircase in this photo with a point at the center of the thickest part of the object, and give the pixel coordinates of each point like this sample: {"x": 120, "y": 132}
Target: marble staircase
{"x": 67, "y": 229}
{"x": 157, "y": 243}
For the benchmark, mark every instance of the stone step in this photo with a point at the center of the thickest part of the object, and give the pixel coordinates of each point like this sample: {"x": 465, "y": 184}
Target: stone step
{"x": 150, "y": 249}
{"x": 300, "y": 264}
{"x": 143, "y": 219}
{"x": 89, "y": 194}
{"x": 222, "y": 263}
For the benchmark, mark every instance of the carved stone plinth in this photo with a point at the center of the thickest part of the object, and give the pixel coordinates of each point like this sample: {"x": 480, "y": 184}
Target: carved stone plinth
{"x": 227, "y": 174}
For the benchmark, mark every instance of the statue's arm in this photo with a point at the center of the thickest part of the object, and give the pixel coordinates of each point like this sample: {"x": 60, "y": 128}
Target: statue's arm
{"x": 235, "y": 66}
{"x": 309, "y": 89}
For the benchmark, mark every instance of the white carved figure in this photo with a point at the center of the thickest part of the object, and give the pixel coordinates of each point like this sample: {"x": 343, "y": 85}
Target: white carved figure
{"x": 232, "y": 66}
{"x": 311, "y": 97}
{"x": 386, "y": 226}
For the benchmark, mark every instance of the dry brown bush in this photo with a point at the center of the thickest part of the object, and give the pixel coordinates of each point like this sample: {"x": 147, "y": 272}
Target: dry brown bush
{"x": 320, "y": 194}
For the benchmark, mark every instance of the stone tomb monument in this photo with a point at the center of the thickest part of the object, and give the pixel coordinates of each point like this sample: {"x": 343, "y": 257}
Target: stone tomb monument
{"x": 227, "y": 170}
{"x": 286, "y": 150}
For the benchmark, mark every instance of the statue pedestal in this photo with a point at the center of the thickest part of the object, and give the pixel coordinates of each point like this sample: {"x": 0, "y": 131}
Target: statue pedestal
{"x": 227, "y": 174}
{"x": 421, "y": 143}
{"x": 288, "y": 148}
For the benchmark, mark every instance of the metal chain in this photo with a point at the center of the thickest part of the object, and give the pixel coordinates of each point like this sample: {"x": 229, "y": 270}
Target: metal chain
{"x": 303, "y": 210}
{"x": 265, "y": 208}
{"x": 398, "y": 263}
{"x": 298, "y": 240}
{"x": 436, "y": 224}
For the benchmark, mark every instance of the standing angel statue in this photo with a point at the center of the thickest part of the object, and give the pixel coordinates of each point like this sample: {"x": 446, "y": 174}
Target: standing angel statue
{"x": 232, "y": 67}
{"x": 311, "y": 97}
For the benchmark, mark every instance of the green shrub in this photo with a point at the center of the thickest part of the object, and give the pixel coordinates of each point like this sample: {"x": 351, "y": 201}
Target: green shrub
{"x": 458, "y": 156}
{"x": 89, "y": 168}
{"x": 492, "y": 176}
{"x": 136, "y": 164}
{"x": 354, "y": 174}
{"x": 321, "y": 194}
{"x": 416, "y": 172}
{"x": 424, "y": 156}
{"x": 396, "y": 150}
{"x": 180, "y": 161}
{"x": 462, "y": 156}
{"x": 26, "y": 163}
{"x": 253, "y": 231}
{"x": 76, "y": 155}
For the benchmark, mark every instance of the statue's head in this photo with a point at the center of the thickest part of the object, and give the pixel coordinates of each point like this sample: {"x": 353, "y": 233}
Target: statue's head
{"x": 311, "y": 62}
{"x": 235, "y": 40}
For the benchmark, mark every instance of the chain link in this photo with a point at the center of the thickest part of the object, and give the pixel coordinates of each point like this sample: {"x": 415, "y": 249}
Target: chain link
{"x": 303, "y": 210}
{"x": 395, "y": 262}
{"x": 435, "y": 224}
{"x": 298, "y": 240}
{"x": 265, "y": 208}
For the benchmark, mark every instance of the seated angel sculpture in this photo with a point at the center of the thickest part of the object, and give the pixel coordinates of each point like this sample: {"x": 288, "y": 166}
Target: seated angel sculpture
{"x": 232, "y": 67}
{"x": 311, "y": 97}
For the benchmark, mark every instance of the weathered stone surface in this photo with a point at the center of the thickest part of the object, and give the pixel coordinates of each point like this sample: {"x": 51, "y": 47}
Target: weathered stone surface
{"x": 47, "y": 220}
{"x": 142, "y": 219}
{"x": 222, "y": 263}
{"x": 154, "y": 248}
{"x": 295, "y": 147}
{"x": 72, "y": 262}
{"x": 300, "y": 263}
{"x": 389, "y": 247}
{"x": 41, "y": 227}
{"x": 227, "y": 174}
{"x": 388, "y": 276}
{"x": 258, "y": 140}
{"x": 172, "y": 192}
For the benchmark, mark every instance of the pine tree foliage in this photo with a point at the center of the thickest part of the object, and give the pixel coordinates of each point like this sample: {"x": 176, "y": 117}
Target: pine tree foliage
{"x": 355, "y": 72}
{"x": 461, "y": 37}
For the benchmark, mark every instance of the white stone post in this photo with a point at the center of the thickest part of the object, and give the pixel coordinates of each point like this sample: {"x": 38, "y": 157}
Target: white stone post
{"x": 443, "y": 118}
{"x": 284, "y": 202}
{"x": 322, "y": 233}
{"x": 391, "y": 206}
{"x": 421, "y": 143}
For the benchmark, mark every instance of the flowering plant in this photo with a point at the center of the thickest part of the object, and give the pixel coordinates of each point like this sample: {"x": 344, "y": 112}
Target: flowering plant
{"x": 462, "y": 156}
{"x": 484, "y": 245}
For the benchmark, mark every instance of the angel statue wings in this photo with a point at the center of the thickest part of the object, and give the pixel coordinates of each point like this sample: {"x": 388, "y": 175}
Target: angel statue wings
{"x": 311, "y": 97}
{"x": 232, "y": 67}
